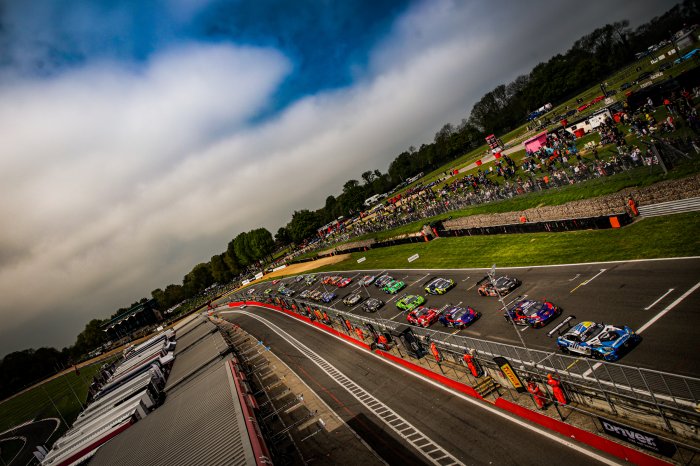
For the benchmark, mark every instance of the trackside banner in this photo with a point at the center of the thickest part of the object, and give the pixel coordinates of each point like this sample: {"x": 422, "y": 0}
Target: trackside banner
{"x": 638, "y": 437}
{"x": 510, "y": 373}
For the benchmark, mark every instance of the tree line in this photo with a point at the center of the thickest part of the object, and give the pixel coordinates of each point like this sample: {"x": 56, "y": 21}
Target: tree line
{"x": 590, "y": 59}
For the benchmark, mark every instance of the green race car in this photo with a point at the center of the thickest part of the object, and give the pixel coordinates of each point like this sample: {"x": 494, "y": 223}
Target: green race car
{"x": 410, "y": 302}
{"x": 393, "y": 286}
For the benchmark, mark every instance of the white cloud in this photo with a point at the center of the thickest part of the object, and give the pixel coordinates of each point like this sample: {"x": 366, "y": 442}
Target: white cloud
{"x": 117, "y": 180}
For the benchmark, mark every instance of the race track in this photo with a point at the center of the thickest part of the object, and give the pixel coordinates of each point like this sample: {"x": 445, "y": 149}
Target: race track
{"x": 658, "y": 298}
{"x": 459, "y": 429}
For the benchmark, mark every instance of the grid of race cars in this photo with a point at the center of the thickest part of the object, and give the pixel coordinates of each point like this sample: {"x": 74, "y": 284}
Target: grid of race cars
{"x": 457, "y": 304}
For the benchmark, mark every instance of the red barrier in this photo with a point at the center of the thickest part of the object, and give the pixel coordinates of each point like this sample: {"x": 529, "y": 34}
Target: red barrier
{"x": 460, "y": 387}
{"x": 583, "y": 436}
{"x": 589, "y": 438}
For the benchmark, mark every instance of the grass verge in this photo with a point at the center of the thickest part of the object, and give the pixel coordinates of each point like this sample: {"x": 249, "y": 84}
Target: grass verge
{"x": 42, "y": 401}
{"x": 669, "y": 236}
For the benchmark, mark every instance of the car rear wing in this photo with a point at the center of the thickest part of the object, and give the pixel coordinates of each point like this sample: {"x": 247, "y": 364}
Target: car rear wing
{"x": 483, "y": 280}
{"x": 564, "y": 323}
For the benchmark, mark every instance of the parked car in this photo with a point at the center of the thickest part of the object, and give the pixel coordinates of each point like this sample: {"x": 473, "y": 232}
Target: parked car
{"x": 625, "y": 86}
{"x": 665, "y": 66}
{"x": 328, "y": 296}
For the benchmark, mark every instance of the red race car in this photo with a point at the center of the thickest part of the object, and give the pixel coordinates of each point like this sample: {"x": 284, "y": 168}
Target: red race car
{"x": 423, "y": 316}
{"x": 343, "y": 282}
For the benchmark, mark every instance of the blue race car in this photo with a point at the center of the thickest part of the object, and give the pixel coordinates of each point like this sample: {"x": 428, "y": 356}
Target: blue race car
{"x": 459, "y": 317}
{"x": 328, "y": 296}
{"x": 598, "y": 341}
{"x": 533, "y": 313}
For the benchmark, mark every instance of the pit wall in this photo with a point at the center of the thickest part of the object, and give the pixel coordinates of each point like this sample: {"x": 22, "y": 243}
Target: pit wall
{"x": 591, "y": 439}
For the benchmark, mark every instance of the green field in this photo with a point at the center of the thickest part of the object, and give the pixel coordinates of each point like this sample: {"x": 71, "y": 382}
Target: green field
{"x": 669, "y": 236}
{"x": 59, "y": 398}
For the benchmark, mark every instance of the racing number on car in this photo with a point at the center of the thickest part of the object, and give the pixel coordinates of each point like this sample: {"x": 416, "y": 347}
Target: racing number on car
{"x": 579, "y": 349}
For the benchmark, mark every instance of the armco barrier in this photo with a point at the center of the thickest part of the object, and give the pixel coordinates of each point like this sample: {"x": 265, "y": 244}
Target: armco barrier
{"x": 580, "y": 435}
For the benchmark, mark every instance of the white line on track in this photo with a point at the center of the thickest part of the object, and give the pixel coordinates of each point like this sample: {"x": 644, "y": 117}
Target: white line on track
{"x": 422, "y": 443}
{"x": 652, "y": 321}
{"x": 421, "y": 278}
{"x": 668, "y": 308}
{"x": 657, "y": 301}
{"x": 572, "y": 279}
{"x": 586, "y": 282}
{"x": 471, "y": 287}
{"x": 481, "y": 404}
{"x": 466, "y": 279}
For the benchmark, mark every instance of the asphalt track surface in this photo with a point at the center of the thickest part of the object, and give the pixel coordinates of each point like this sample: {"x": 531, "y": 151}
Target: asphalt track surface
{"x": 33, "y": 434}
{"x": 468, "y": 430}
{"x": 632, "y": 293}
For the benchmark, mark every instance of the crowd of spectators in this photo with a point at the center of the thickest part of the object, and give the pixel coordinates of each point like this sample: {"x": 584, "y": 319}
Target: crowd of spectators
{"x": 559, "y": 162}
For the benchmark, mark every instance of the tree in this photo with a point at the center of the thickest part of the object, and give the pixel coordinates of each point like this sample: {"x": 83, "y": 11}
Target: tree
{"x": 173, "y": 295}
{"x": 197, "y": 280}
{"x": 260, "y": 243}
{"x": 89, "y": 339}
{"x": 368, "y": 176}
{"x": 159, "y": 296}
{"x": 282, "y": 237}
{"x": 303, "y": 225}
{"x": 240, "y": 247}
{"x": 219, "y": 269}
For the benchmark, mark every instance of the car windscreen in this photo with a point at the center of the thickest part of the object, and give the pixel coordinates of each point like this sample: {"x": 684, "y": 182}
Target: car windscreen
{"x": 458, "y": 314}
{"x": 591, "y": 332}
{"x": 531, "y": 308}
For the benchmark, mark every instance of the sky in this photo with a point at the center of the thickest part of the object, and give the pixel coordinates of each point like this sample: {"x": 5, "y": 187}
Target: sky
{"x": 139, "y": 138}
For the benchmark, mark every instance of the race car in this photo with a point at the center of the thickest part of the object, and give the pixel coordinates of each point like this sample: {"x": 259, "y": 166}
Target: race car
{"x": 439, "y": 285}
{"x": 269, "y": 291}
{"x": 331, "y": 280}
{"x": 410, "y": 302}
{"x": 274, "y": 282}
{"x": 533, "y": 313}
{"x": 372, "y": 305}
{"x": 310, "y": 279}
{"x": 503, "y": 286}
{"x": 423, "y": 316}
{"x": 367, "y": 280}
{"x": 298, "y": 278}
{"x": 305, "y": 294}
{"x": 328, "y": 296}
{"x": 352, "y": 299}
{"x": 600, "y": 341}
{"x": 251, "y": 291}
{"x": 382, "y": 280}
{"x": 393, "y": 287}
{"x": 458, "y": 317}
{"x": 315, "y": 295}
{"x": 287, "y": 292}
{"x": 343, "y": 282}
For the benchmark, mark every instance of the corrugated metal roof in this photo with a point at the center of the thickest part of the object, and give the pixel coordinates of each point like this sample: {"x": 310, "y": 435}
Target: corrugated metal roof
{"x": 184, "y": 341}
{"x": 198, "y": 355}
{"x": 200, "y": 424}
{"x": 194, "y": 323}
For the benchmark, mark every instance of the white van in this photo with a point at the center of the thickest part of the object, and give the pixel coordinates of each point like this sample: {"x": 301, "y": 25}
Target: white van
{"x": 372, "y": 200}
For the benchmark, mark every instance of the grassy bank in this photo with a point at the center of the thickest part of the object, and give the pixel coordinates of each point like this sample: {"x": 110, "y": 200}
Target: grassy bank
{"x": 42, "y": 401}
{"x": 669, "y": 236}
